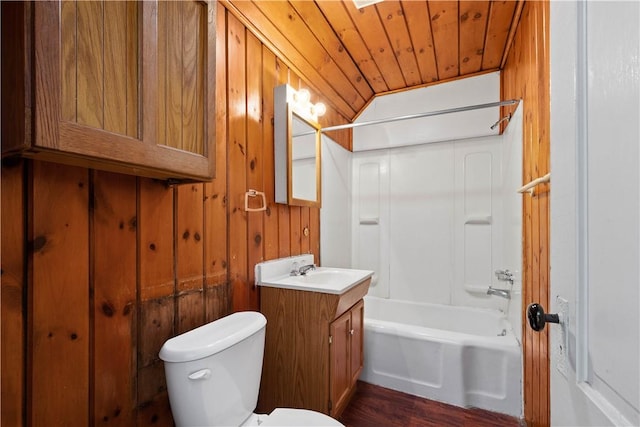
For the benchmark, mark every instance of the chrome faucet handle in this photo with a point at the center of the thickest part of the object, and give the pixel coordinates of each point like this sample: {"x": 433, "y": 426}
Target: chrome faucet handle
{"x": 504, "y": 275}
{"x": 295, "y": 271}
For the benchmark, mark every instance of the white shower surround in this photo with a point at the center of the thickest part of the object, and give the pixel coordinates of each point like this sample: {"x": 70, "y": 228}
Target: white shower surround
{"x": 432, "y": 216}
{"x": 416, "y": 196}
{"x": 429, "y": 220}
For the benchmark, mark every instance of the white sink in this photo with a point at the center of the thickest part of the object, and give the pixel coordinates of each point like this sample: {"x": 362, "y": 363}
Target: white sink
{"x": 329, "y": 280}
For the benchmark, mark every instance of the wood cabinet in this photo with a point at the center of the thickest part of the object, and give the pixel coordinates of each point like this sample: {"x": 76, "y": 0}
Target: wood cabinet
{"x": 124, "y": 86}
{"x": 313, "y": 348}
{"x": 346, "y": 343}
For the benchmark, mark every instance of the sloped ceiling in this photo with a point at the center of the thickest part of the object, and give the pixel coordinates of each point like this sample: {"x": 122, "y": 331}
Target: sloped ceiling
{"x": 349, "y": 55}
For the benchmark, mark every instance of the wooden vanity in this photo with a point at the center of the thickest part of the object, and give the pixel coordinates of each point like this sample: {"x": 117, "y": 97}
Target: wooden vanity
{"x": 313, "y": 349}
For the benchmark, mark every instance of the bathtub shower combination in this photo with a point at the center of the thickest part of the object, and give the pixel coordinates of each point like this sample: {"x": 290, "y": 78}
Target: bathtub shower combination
{"x": 433, "y": 208}
{"x": 463, "y": 356}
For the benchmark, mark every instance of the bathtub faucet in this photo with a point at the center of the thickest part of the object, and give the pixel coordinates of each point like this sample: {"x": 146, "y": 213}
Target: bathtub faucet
{"x": 505, "y": 276}
{"x": 504, "y": 293}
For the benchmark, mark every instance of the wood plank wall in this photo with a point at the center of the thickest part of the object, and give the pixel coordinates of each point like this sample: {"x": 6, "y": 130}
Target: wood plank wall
{"x": 99, "y": 269}
{"x": 526, "y": 76}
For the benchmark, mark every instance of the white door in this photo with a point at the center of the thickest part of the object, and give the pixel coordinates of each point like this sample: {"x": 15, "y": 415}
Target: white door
{"x": 595, "y": 214}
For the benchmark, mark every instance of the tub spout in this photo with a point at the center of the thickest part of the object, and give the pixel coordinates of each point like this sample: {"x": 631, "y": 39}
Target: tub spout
{"x": 504, "y": 293}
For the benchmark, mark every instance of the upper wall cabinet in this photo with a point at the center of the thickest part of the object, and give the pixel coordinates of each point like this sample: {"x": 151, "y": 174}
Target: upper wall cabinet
{"x": 124, "y": 86}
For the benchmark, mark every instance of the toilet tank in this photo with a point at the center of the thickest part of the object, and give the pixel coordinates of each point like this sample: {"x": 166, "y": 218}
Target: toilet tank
{"x": 213, "y": 372}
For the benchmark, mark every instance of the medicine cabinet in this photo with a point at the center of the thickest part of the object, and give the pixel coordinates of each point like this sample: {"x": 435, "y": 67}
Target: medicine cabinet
{"x": 297, "y": 150}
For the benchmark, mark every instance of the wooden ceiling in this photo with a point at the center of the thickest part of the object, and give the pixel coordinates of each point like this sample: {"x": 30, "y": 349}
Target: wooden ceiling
{"x": 349, "y": 55}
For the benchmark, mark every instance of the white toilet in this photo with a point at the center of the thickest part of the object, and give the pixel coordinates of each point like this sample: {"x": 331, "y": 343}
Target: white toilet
{"x": 213, "y": 376}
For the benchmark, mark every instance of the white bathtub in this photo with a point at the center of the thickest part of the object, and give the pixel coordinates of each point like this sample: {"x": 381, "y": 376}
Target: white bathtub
{"x": 462, "y": 356}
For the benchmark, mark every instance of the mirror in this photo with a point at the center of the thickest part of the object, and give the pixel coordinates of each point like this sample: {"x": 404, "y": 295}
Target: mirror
{"x": 304, "y": 164}
{"x": 297, "y": 154}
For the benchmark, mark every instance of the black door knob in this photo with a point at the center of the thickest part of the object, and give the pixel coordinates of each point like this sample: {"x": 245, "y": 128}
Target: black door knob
{"x": 538, "y": 318}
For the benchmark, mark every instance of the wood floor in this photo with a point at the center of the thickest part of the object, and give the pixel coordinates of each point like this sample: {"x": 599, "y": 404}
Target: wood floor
{"x": 380, "y": 407}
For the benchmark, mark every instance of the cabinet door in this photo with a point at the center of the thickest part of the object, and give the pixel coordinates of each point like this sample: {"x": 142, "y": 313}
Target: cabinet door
{"x": 357, "y": 340}
{"x": 126, "y": 86}
{"x": 340, "y": 352}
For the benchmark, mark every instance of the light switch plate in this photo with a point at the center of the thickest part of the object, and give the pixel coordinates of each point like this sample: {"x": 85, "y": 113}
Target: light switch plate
{"x": 560, "y": 340}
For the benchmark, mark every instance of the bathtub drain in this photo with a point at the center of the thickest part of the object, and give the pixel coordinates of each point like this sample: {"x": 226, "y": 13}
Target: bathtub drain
{"x": 503, "y": 333}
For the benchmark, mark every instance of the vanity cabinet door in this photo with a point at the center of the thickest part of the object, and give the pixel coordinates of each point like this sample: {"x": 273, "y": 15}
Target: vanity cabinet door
{"x": 357, "y": 340}
{"x": 340, "y": 363}
{"x": 345, "y": 356}
{"x": 125, "y": 86}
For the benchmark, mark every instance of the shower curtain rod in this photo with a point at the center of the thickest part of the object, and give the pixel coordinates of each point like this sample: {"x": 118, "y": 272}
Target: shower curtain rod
{"x": 419, "y": 115}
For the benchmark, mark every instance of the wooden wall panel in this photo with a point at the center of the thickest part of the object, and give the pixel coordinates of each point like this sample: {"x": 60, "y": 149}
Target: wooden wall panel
{"x": 526, "y": 76}
{"x": 215, "y": 198}
{"x": 314, "y": 231}
{"x": 284, "y": 233}
{"x": 155, "y": 240}
{"x": 294, "y": 229}
{"x": 269, "y": 81}
{"x": 237, "y": 160}
{"x": 12, "y": 321}
{"x": 58, "y": 295}
{"x": 305, "y": 242}
{"x": 189, "y": 256}
{"x": 113, "y": 248}
{"x": 156, "y": 296}
{"x": 255, "y": 162}
{"x": 116, "y": 265}
{"x": 252, "y": 72}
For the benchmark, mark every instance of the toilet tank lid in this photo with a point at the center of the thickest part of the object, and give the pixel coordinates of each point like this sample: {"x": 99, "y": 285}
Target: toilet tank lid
{"x": 213, "y": 337}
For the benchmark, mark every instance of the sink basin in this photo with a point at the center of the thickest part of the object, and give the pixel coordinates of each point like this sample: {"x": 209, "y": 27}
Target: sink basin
{"x": 323, "y": 279}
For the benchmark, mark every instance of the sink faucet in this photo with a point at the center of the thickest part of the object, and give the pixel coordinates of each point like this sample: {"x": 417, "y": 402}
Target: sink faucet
{"x": 302, "y": 270}
{"x": 504, "y": 293}
{"x": 305, "y": 269}
{"x": 294, "y": 269}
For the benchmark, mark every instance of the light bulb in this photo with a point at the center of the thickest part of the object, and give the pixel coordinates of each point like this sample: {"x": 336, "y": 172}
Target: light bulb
{"x": 319, "y": 109}
{"x": 302, "y": 96}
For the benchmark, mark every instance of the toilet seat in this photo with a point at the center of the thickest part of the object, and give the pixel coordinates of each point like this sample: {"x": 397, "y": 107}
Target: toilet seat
{"x": 288, "y": 417}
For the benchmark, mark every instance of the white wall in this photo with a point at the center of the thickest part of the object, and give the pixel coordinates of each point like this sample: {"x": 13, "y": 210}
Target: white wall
{"x": 459, "y": 93}
{"x": 335, "y": 214}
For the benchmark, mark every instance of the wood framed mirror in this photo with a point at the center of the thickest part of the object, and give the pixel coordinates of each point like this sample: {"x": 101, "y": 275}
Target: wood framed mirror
{"x": 297, "y": 149}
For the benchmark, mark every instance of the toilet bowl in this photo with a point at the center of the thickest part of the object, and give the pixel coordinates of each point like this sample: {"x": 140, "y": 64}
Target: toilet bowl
{"x": 213, "y": 376}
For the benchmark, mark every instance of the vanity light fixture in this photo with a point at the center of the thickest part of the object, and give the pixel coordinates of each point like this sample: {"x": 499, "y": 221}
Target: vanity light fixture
{"x": 302, "y": 96}
{"x": 301, "y": 102}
